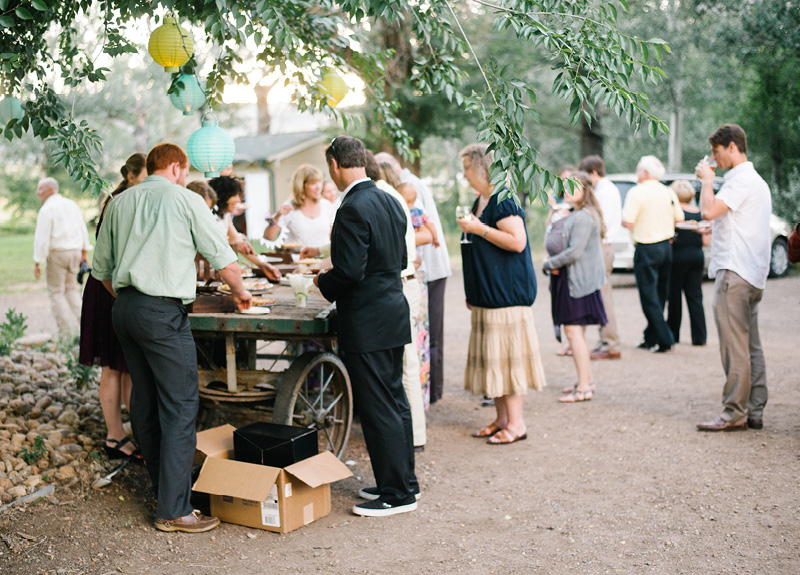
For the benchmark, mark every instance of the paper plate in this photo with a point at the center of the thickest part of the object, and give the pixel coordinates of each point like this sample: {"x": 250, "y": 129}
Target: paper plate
{"x": 255, "y": 311}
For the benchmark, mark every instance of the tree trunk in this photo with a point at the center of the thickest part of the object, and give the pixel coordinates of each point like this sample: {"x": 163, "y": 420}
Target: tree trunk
{"x": 591, "y": 138}
{"x": 264, "y": 119}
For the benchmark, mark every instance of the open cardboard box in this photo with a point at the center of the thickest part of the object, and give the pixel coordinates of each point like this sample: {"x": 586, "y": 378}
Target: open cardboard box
{"x": 279, "y": 500}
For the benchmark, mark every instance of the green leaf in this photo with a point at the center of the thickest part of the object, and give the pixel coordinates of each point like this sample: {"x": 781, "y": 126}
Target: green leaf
{"x": 6, "y": 21}
{"x": 39, "y": 5}
{"x": 4, "y": 4}
{"x": 23, "y": 13}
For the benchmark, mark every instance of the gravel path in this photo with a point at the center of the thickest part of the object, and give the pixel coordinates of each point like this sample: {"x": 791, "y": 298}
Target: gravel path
{"x": 622, "y": 484}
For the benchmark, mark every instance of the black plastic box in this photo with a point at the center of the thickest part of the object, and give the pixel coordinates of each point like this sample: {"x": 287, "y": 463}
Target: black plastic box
{"x": 274, "y": 445}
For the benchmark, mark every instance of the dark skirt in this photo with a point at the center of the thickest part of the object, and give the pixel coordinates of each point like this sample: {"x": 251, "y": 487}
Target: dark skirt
{"x": 99, "y": 343}
{"x": 566, "y": 310}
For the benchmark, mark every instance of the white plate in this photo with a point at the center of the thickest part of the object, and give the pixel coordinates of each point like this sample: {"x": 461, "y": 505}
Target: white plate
{"x": 255, "y": 310}
{"x": 271, "y": 259}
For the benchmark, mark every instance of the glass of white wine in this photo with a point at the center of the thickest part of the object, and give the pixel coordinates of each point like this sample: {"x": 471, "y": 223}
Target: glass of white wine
{"x": 464, "y": 213}
{"x": 711, "y": 162}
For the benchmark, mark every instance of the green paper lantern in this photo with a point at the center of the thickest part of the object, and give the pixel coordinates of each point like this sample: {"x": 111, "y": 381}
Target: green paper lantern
{"x": 10, "y": 109}
{"x": 189, "y": 98}
{"x": 210, "y": 149}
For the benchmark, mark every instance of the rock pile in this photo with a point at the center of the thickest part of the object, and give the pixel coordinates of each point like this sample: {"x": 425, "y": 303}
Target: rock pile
{"x": 49, "y": 430}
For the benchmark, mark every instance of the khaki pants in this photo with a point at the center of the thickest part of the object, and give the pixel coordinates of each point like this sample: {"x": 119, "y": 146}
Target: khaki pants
{"x": 608, "y": 333}
{"x": 411, "y": 375}
{"x": 736, "y": 315}
{"x": 64, "y": 290}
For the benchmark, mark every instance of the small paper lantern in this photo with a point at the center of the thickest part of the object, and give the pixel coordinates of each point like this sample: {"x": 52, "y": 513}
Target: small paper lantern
{"x": 10, "y": 109}
{"x": 333, "y": 87}
{"x": 189, "y": 98}
{"x": 171, "y": 45}
{"x": 210, "y": 148}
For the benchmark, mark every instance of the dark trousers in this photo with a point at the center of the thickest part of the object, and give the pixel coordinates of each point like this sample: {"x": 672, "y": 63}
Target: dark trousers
{"x": 436, "y": 334}
{"x": 162, "y": 359}
{"x": 377, "y": 381}
{"x": 687, "y": 279}
{"x": 652, "y": 264}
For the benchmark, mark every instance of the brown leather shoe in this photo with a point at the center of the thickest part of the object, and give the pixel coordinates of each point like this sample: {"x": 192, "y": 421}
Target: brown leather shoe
{"x": 719, "y": 424}
{"x": 605, "y": 354}
{"x": 195, "y": 522}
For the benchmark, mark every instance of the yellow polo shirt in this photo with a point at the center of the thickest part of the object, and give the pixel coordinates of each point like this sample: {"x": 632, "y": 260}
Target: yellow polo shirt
{"x": 653, "y": 209}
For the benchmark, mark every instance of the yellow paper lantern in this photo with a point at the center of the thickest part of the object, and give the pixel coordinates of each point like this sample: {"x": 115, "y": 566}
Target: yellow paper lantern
{"x": 171, "y": 45}
{"x": 333, "y": 87}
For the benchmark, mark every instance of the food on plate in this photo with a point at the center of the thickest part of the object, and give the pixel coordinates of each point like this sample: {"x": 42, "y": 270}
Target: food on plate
{"x": 262, "y": 300}
{"x": 310, "y": 262}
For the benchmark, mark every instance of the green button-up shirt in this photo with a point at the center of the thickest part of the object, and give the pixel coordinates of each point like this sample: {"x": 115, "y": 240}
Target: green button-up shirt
{"x": 150, "y": 236}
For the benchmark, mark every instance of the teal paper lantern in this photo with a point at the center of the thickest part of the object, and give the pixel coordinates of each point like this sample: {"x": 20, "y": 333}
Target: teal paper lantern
{"x": 210, "y": 148}
{"x": 10, "y": 109}
{"x": 190, "y": 97}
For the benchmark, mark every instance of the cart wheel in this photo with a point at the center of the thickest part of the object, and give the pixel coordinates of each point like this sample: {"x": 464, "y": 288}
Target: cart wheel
{"x": 315, "y": 392}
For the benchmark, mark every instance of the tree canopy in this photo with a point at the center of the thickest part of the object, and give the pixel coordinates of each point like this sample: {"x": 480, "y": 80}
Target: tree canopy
{"x": 45, "y": 52}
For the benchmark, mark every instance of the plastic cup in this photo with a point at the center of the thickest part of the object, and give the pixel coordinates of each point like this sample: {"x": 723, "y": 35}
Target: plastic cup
{"x": 301, "y": 285}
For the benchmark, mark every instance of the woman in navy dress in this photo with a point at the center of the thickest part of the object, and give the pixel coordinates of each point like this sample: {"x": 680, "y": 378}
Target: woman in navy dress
{"x": 503, "y": 359}
{"x": 99, "y": 344}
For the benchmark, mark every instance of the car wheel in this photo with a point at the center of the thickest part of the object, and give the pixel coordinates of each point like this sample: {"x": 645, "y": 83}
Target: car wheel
{"x": 779, "y": 262}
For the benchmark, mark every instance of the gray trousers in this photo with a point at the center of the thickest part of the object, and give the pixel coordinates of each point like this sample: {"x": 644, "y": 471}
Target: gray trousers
{"x": 436, "y": 334}
{"x": 608, "y": 333}
{"x": 736, "y": 316}
{"x": 162, "y": 359}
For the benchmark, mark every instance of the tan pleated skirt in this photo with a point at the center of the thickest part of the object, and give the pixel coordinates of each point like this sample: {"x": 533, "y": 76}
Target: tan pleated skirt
{"x": 504, "y": 354}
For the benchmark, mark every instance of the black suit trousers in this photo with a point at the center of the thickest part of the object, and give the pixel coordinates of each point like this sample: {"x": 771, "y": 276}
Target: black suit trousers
{"x": 377, "y": 381}
{"x": 652, "y": 264}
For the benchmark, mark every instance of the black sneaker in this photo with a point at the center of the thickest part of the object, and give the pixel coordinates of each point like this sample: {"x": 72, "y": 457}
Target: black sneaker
{"x": 644, "y": 345}
{"x": 380, "y": 508}
{"x": 755, "y": 423}
{"x": 372, "y": 493}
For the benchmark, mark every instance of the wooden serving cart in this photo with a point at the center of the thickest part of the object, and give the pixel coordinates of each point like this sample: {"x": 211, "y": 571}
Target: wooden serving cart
{"x": 313, "y": 391}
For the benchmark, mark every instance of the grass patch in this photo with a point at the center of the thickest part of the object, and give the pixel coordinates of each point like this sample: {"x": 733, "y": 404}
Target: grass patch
{"x": 16, "y": 261}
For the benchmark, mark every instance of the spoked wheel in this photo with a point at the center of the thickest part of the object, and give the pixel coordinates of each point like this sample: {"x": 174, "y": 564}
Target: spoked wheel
{"x": 315, "y": 392}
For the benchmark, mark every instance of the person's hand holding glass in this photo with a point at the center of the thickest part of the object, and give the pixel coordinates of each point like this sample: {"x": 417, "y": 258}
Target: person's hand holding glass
{"x": 705, "y": 169}
{"x": 464, "y": 215}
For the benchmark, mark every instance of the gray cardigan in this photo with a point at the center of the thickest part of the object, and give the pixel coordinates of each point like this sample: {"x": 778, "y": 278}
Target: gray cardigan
{"x": 583, "y": 256}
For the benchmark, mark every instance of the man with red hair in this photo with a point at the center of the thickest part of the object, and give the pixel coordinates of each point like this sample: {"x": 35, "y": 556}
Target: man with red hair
{"x": 145, "y": 253}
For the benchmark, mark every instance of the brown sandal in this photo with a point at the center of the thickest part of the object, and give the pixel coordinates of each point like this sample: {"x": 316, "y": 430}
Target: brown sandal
{"x": 487, "y": 431}
{"x": 504, "y": 437}
{"x": 572, "y": 388}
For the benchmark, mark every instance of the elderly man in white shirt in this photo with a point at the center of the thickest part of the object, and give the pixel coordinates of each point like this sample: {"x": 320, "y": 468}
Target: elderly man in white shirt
{"x": 740, "y": 255}
{"x": 436, "y": 265}
{"x": 61, "y": 240}
{"x": 610, "y": 201}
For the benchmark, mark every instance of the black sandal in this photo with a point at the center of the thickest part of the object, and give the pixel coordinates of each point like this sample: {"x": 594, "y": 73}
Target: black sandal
{"x": 114, "y": 451}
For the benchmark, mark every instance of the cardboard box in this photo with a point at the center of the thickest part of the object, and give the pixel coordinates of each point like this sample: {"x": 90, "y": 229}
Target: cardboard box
{"x": 274, "y": 445}
{"x": 269, "y": 498}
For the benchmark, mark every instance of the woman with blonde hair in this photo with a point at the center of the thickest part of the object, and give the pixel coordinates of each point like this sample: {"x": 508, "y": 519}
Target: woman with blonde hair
{"x": 688, "y": 263}
{"x": 503, "y": 360}
{"x": 577, "y": 272}
{"x": 307, "y": 217}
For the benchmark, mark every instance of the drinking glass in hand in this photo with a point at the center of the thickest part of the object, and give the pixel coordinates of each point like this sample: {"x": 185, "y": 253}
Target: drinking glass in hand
{"x": 464, "y": 213}
{"x": 710, "y": 161}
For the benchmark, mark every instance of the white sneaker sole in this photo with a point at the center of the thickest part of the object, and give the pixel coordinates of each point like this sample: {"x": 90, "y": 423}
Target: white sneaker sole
{"x": 363, "y": 494}
{"x": 384, "y": 512}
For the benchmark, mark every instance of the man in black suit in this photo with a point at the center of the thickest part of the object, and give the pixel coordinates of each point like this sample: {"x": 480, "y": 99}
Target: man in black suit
{"x": 368, "y": 252}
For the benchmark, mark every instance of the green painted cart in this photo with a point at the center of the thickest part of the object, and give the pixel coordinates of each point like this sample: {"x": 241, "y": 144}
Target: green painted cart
{"x": 313, "y": 391}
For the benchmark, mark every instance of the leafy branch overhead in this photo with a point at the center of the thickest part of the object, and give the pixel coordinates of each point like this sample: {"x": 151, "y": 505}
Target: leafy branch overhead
{"x": 44, "y": 39}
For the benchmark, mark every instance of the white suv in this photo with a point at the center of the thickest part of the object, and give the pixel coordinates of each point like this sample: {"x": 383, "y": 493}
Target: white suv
{"x": 623, "y": 245}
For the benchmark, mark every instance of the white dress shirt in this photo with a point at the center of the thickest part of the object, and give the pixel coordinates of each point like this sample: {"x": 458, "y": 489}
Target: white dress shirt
{"x": 59, "y": 227}
{"x": 740, "y": 238}
{"x": 608, "y": 197}
{"x": 435, "y": 261}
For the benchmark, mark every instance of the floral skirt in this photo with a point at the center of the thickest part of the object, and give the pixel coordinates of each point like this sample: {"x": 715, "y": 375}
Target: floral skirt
{"x": 424, "y": 341}
{"x": 503, "y": 356}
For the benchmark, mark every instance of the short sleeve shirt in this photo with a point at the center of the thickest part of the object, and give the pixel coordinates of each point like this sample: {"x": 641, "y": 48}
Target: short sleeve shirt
{"x": 653, "y": 209}
{"x": 740, "y": 238}
{"x": 494, "y": 277}
{"x": 309, "y": 232}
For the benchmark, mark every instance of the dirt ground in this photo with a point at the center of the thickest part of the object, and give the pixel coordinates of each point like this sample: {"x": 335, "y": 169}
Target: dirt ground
{"x": 622, "y": 484}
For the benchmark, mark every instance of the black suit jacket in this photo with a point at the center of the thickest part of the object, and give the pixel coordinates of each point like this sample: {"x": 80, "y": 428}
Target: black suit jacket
{"x": 368, "y": 252}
